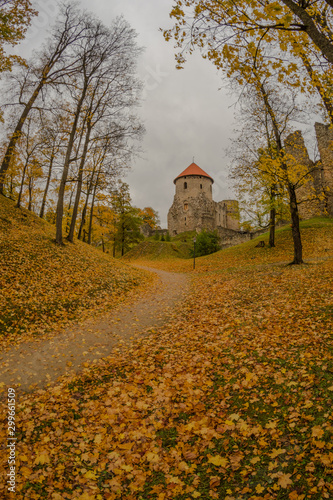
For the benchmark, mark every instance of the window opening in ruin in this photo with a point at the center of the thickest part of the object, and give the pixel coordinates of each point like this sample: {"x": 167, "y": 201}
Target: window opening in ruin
{"x": 185, "y": 185}
{"x": 185, "y": 206}
{"x": 200, "y": 186}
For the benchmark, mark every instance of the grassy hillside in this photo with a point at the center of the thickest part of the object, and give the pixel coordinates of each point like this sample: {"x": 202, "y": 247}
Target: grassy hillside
{"x": 317, "y": 239}
{"x": 44, "y": 285}
{"x": 156, "y": 250}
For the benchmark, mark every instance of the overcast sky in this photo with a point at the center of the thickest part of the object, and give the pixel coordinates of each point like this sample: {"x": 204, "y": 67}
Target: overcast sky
{"x": 184, "y": 112}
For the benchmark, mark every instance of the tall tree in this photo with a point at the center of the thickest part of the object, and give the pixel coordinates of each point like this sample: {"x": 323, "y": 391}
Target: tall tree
{"x": 127, "y": 219}
{"x": 111, "y": 51}
{"x": 58, "y": 61}
{"x": 107, "y": 99}
{"x": 52, "y": 137}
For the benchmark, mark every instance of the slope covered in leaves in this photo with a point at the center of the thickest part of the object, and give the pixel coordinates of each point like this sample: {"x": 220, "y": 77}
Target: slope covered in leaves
{"x": 233, "y": 400}
{"x": 44, "y": 286}
{"x": 317, "y": 246}
{"x": 157, "y": 250}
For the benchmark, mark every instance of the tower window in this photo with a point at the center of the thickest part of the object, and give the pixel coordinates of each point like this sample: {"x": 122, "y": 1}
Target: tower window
{"x": 185, "y": 185}
{"x": 200, "y": 186}
{"x": 185, "y": 206}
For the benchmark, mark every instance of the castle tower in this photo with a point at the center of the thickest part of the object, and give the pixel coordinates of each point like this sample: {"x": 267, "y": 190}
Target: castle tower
{"x": 193, "y": 202}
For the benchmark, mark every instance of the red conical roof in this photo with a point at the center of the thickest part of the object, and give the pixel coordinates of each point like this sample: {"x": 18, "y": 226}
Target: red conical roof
{"x": 193, "y": 169}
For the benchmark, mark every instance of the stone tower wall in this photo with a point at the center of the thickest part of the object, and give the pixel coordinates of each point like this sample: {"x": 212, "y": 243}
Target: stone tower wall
{"x": 232, "y": 210}
{"x": 308, "y": 195}
{"x": 325, "y": 145}
{"x": 191, "y": 214}
{"x": 193, "y": 208}
{"x": 195, "y": 185}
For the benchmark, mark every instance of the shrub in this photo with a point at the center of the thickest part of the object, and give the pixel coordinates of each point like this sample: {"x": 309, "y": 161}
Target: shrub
{"x": 207, "y": 243}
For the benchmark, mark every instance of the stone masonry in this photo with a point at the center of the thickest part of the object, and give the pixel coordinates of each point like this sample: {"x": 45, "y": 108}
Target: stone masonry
{"x": 324, "y": 136}
{"x": 315, "y": 196}
{"x": 194, "y": 209}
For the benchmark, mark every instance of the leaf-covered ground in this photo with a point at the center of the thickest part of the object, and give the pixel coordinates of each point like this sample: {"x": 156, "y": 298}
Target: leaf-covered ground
{"x": 232, "y": 400}
{"x": 44, "y": 286}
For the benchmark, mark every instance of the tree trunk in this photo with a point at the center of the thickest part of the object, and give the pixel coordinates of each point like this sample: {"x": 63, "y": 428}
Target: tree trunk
{"x": 84, "y": 211}
{"x": 17, "y": 134}
{"x": 271, "y": 242}
{"x": 48, "y": 180}
{"x": 296, "y": 232}
{"x": 70, "y": 236}
{"x": 323, "y": 43}
{"x": 83, "y": 216}
{"x": 92, "y": 209}
{"x": 18, "y": 204}
{"x": 60, "y": 204}
{"x": 295, "y": 229}
{"x": 122, "y": 240}
{"x": 69, "y": 210}
{"x": 30, "y": 194}
{"x": 272, "y": 219}
{"x": 114, "y": 246}
{"x": 11, "y": 188}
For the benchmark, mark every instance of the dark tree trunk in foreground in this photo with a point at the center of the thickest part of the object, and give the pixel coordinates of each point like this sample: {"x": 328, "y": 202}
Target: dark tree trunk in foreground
{"x": 272, "y": 219}
{"x": 295, "y": 229}
{"x": 271, "y": 241}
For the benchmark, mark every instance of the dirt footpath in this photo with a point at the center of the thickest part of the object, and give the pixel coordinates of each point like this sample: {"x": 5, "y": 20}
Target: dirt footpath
{"x": 35, "y": 364}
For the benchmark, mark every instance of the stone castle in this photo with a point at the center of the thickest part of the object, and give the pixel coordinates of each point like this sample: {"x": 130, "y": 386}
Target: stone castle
{"x": 193, "y": 207}
{"x": 316, "y": 196}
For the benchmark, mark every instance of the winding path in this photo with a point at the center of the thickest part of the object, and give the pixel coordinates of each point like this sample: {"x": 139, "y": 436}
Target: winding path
{"x": 35, "y": 364}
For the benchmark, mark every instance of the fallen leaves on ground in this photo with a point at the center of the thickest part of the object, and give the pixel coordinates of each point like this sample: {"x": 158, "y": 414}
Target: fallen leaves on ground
{"x": 232, "y": 400}
{"x": 44, "y": 286}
